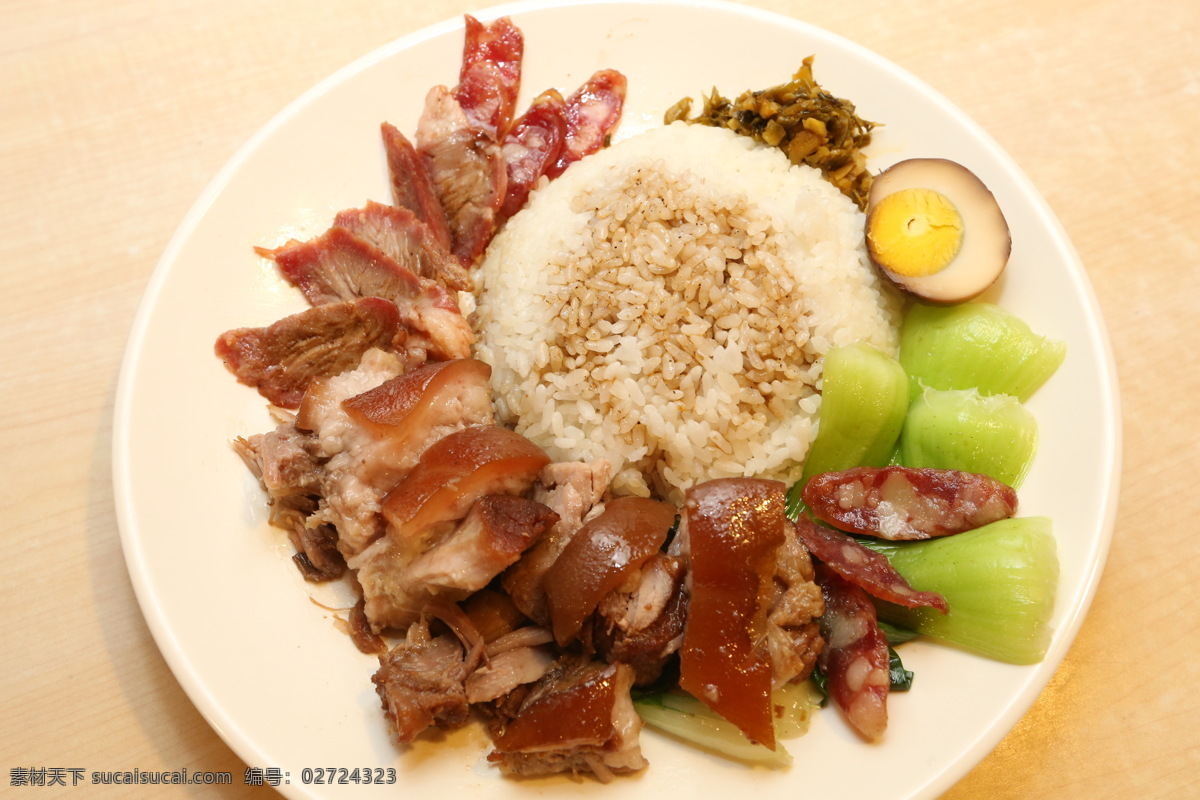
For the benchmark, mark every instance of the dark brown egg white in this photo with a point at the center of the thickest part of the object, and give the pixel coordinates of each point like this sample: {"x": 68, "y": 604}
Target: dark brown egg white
{"x": 936, "y": 231}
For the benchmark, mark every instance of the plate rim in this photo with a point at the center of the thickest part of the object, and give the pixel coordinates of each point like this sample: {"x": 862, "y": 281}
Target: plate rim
{"x": 147, "y": 594}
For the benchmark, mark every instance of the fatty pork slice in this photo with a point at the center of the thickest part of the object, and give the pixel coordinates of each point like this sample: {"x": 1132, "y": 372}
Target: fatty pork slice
{"x": 412, "y": 188}
{"x": 372, "y": 425}
{"x": 283, "y": 359}
{"x": 467, "y": 168}
{"x": 730, "y": 530}
{"x": 337, "y": 265}
{"x": 904, "y": 503}
{"x": 400, "y": 234}
{"x": 578, "y": 719}
{"x": 490, "y": 76}
{"x": 572, "y": 490}
{"x": 600, "y": 557}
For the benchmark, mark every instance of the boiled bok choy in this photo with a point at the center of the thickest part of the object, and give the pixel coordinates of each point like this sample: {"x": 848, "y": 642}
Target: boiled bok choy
{"x": 1000, "y": 581}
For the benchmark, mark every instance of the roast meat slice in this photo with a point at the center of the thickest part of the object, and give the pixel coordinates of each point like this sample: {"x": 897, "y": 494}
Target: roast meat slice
{"x": 412, "y": 187}
{"x": 468, "y": 171}
{"x": 338, "y": 265}
{"x": 420, "y": 684}
{"x": 490, "y": 77}
{"x": 400, "y": 234}
{"x": 283, "y": 359}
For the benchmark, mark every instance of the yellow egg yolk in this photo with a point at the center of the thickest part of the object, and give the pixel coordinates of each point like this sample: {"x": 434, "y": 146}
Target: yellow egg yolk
{"x": 915, "y": 232}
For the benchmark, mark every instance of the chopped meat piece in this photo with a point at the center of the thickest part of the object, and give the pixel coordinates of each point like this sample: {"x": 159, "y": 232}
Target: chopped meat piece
{"x": 399, "y": 586}
{"x": 412, "y": 188}
{"x": 641, "y": 623}
{"x": 571, "y": 490}
{"x": 452, "y": 474}
{"x": 600, "y": 556}
{"x": 490, "y": 76}
{"x": 283, "y": 461}
{"x": 468, "y": 172}
{"x": 283, "y": 359}
{"x": 592, "y": 112}
{"x": 365, "y": 639}
{"x": 855, "y": 659}
{"x": 793, "y": 635}
{"x": 397, "y": 232}
{"x": 507, "y": 670}
{"x": 532, "y": 146}
{"x": 864, "y": 567}
{"x": 338, "y": 265}
{"x": 352, "y": 480}
{"x": 578, "y": 719}
{"x": 902, "y": 503}
{"x": 493, "y": 614}
{"x": 373, "y": 426}
{"x": 420, "y": 684}
{"x": 494, "y": 534}
{"x": 731, "y": 529}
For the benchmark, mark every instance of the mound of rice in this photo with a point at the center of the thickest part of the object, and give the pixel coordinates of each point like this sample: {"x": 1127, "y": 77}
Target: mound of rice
{"x": 666, "y": 304}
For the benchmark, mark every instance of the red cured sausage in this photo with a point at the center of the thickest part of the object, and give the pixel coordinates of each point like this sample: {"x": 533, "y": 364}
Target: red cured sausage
{"x": 863, "y": 567}
{"x": 903, "y": 503}
{"x": 593, "y": 113}
{"x": 855, "y": 658}
{"x": 733, "y": 528}
{"x": 490, "y": 77}
{"x": 600, "y": 556}
{"x": 532, "y": 146}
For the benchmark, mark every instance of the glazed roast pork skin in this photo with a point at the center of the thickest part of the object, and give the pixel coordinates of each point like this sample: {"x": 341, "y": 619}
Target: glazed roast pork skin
{"x": 579, "y": 718}
{"x": 412, "y": 188}
{"x": 455, "y": 472}
{"x": 400, "y": 234}
{"x": 600, "y": 556}
{"x": 731, "y": 529}
{"x": 283, "y": 359}
{"x": 572, "y": 490}
{"x": 904, "y": 503}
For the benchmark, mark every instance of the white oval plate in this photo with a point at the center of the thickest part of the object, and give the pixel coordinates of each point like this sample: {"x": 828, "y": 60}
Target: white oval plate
{"x": 271, "y": 671}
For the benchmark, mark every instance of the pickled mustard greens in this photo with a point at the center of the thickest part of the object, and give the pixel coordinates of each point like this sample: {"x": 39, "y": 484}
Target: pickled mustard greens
{"x": 963, "y": 430}
{"x": 975, "y": 345}
{"x": 863, "y": 403}
{"x": 807, "y": 123}
{"x": 999, "y": 580}
{"x": 685, "y": 717}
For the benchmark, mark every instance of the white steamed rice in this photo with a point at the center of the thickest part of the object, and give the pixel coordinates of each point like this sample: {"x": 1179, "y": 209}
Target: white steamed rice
{"x": 666, "y": 303}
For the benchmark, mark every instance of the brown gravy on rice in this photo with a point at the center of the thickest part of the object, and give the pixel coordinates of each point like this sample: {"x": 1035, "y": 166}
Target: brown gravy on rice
{"x": 666, "y": 304}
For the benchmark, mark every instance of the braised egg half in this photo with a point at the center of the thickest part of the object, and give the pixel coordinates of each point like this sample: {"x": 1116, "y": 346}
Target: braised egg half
{"x": 935, "y": 230}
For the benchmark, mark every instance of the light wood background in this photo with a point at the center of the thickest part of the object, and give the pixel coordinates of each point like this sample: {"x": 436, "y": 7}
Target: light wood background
{"x": 114, "y": 114}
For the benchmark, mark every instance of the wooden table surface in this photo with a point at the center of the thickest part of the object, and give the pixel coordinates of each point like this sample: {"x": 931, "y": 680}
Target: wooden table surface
{"x": 116, "y": 113}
